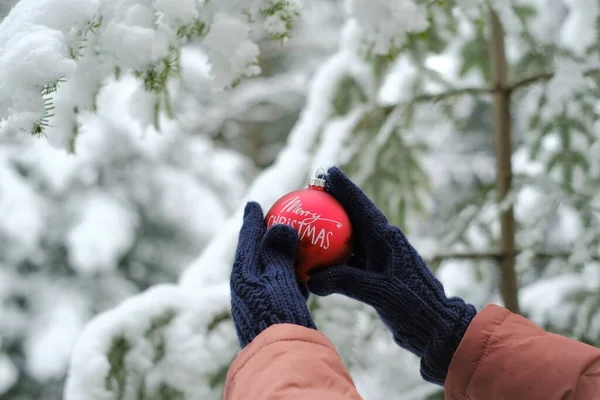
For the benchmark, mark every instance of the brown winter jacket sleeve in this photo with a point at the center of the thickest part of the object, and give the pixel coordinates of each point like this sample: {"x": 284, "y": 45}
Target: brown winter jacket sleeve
{"x": 289, "y": 362}
{"x": 504, "y": 356}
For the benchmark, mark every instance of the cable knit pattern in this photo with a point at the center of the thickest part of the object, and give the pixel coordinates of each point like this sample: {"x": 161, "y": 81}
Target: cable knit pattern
{"x": 264, "y": 289}
{"x": 387, "y": 273}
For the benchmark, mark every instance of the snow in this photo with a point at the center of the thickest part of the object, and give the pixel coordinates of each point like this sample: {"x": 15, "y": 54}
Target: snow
{"x": 84, "y": 46}
{"x": 35, "y": 39}
{"x": 506, "y": 14}
{"x": 369, "y": 159}
{"x": 464, "y": 279}
{"x": 59, "y": 168}
{"x": 334, "y": 138}
{"x": 8, "y": 373}
{"x": 544, "y": 301}
{"x": 181, "y": 353}
{"x": 386, "y": 22}
{"x": 194, "y": 206}
{"x": 48, "y": 347}
{"x": 99, "y": 204}
{"x": 578, "y": 30}
{"x": 20, "y": 221}
{"x": 568, "y": 80}
{"x": 397, "y": 84}
{"x": 543, "y": 26}
{"x": 230, "y": 51}
{"x": 105, "y": 230}
{"x": 182, "y": 10}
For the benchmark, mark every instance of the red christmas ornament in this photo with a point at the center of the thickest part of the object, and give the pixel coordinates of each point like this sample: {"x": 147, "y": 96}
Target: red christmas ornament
{"x": 322, "y": 224}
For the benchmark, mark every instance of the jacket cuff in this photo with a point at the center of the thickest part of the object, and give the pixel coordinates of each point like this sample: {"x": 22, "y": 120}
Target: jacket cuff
{"x": 278, "y": 333}
{"x": 472, "y": 348}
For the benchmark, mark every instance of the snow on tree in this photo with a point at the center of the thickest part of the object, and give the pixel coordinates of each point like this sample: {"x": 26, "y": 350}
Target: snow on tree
{"x": 82, "y": 233}
{"x": 169, "y": 247}
{"x": 255, "y": 116}
{"x": 70, "y": 54}
{"x": 164, "y": 200}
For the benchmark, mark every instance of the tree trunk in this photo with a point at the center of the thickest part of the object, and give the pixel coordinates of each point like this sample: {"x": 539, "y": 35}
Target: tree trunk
{"x": 503, "y": 150}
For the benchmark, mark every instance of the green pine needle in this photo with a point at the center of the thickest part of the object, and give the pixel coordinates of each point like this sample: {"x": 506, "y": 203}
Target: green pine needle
{"x": 194, "y": 30}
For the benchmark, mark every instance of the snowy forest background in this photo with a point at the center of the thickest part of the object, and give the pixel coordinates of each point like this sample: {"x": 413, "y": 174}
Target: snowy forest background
{"x": 133, "y": 132}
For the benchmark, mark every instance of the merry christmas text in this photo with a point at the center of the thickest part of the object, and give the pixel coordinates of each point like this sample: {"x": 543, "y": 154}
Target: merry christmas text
{"x": 318, "y": 236}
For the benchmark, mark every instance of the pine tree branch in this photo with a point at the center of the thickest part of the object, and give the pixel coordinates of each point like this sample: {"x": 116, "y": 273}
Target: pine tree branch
{"x": 481, "y": 91}
{"x": 467, "y": 91}
{"x": 542, "y": 77}
{"x": 497, "y": 256}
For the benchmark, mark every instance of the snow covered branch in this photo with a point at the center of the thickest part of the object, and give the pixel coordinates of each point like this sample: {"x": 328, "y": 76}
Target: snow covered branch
{"x": 483, "y": 91}
{"x": 172, "y": 349}
{"x": 544, "y": 77}
{"x": 57, "y": 54}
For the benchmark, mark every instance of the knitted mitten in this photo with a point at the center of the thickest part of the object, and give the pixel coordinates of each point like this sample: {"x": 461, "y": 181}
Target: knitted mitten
{"x": 387, "y": 273}
{"x": 264, "y": 290}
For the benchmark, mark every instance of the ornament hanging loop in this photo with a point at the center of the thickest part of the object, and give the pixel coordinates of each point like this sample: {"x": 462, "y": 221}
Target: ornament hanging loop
{"x": 318, "y": 180}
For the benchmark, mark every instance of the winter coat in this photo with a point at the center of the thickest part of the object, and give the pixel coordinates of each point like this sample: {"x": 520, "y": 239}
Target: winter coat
{"x": 502, "y": 356}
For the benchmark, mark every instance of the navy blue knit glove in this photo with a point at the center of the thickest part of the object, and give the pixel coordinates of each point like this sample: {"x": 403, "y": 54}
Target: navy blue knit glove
{"x": 264, "y": 289}
{"x": 387, "y": 273}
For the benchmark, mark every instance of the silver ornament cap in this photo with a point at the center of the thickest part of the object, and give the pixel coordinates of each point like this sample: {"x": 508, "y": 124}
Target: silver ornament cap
{"x": 318, "y": 179}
